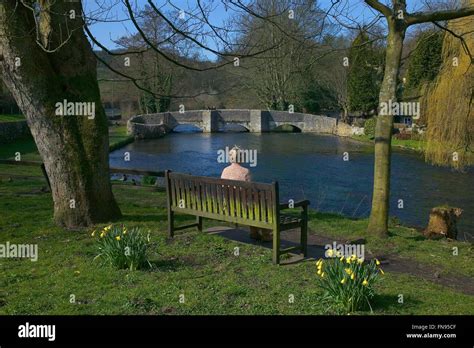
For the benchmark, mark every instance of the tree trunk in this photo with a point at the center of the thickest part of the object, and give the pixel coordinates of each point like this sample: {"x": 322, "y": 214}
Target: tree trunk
{"x": 345, "y": 114}
{"x": 378, "y": 222}
{"x": 74, "y": 149}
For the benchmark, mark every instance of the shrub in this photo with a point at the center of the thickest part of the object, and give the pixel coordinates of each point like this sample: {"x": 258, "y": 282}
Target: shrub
{"x": 394, "y": 221}
{"x": 347, "y": 282}
{"x": 122, "y": 248}
{"x": 369, "y": 127}
{"x": 148, "y": 180}
{"x": 403, "y": 136}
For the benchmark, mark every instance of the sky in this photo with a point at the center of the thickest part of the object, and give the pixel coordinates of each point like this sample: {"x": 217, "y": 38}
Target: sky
{"x": 107, "y": 32}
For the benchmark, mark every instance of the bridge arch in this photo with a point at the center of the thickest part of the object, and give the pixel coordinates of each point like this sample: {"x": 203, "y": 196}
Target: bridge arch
{"x": 234, "y": 128}
{"x": 287, "y": 128}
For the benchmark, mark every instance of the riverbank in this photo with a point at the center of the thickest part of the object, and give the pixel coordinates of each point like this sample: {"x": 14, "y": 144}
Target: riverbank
{"x": 414, "y": 145}
{"x": 118, "y": 138}
{"x": 203, "y": 267}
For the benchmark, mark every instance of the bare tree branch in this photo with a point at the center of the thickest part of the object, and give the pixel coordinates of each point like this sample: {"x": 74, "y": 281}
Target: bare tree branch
{"x": 424, "y": 17}
{"x": 386, "y": 11}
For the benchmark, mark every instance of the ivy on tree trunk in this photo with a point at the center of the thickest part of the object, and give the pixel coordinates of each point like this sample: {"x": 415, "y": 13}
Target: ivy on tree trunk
{"x": 45, "y": 58}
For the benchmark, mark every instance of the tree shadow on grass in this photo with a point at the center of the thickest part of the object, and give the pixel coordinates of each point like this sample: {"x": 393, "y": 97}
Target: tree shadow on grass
{"x": 417, "y": 238}
{"x": 144, "y": 218}
{"x": 158, "y": 218}
{"x": 317, "y": 215}
{"x": 171, "y": 263}
{"x": 167, "y": 265}
{"x": 390, "y": 303}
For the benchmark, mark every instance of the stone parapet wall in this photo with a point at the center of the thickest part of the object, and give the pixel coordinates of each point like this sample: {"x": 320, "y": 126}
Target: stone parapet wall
{"x": 255, "y": 121}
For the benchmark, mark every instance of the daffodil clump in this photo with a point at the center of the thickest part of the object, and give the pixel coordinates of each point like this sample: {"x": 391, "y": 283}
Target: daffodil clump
{"x": 122, "y": 248}
{"x": 347, "y": 281}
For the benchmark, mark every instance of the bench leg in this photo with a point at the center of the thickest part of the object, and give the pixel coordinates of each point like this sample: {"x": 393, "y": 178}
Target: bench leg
{"x": 170, "y": 223}
{"x": 199, "y": 223}
{"x": 304, "y": 231}
{"x": 276, "y": 246}
{"x": 43, "y": 170}
{"x": 304, "y": 238}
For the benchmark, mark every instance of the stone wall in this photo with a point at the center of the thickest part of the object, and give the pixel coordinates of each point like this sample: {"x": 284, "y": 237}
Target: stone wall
{"x": 345, "y": 130}
{"x": 143, "y": 130}
{"x": 233, "y": 115}
{"x": 11, "y": 131}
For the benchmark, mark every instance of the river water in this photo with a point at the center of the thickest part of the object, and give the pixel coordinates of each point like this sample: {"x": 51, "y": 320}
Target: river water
{"x": 313, "y": 166}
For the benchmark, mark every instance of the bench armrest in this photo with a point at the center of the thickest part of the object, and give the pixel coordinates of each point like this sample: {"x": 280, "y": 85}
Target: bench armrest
{"x": 303, "y": 204}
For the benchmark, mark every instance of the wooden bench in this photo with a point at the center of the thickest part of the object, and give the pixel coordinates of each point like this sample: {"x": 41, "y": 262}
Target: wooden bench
{"x": 240, "y": 202}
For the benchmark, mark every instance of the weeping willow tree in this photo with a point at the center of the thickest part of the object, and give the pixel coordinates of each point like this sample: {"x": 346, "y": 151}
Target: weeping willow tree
{"x": 447, "y": 103}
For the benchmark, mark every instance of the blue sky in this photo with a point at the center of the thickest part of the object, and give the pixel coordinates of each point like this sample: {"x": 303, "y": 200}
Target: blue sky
{"x": 107, "y": 32}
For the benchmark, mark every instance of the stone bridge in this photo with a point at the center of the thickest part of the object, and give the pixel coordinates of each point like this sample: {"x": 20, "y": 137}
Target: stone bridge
{"x": 255, "y": 121}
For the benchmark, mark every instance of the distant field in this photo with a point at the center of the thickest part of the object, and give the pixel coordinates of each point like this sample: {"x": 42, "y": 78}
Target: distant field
{"x": 9, "y": 118}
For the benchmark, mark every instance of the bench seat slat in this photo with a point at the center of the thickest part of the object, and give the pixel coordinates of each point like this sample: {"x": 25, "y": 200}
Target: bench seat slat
{"x": 233, "y": 219}
{"x": 250, "y": 203}
{"x": 263, "y": 206}
{"x": 243, "y": 192}
{"x": 238, "y": 203}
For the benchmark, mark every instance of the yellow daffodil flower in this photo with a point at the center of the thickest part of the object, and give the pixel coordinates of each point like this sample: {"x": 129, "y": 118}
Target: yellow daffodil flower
{"x": 342, "y": 258}
{"x": 343, "y": 280}
{"x": 330, "y": 253}
{"x": 348, "y": 271}
{"x": 377, "y": 262}
{"x": 352, "y": 276}
{"x": 102, "y": 235}
{"x": 381, "y": 271}
{"x": 360, "y": 261}
{"x": 365, "y": 282}
{"x": 118, "y": 238}
{"x": 322, "y": 275}
{"x": 93, "y": 234}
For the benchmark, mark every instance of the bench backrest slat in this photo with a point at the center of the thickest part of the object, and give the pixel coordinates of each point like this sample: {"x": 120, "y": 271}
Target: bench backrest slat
{"x": 236, "y": 200}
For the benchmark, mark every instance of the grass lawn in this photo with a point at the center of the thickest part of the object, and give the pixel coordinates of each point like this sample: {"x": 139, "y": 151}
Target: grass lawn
{"x": 9, "y": 118}
{"x": 416, "y": 145}
{"x": 200, "y": 266}
{"x": 118, "y": 137}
